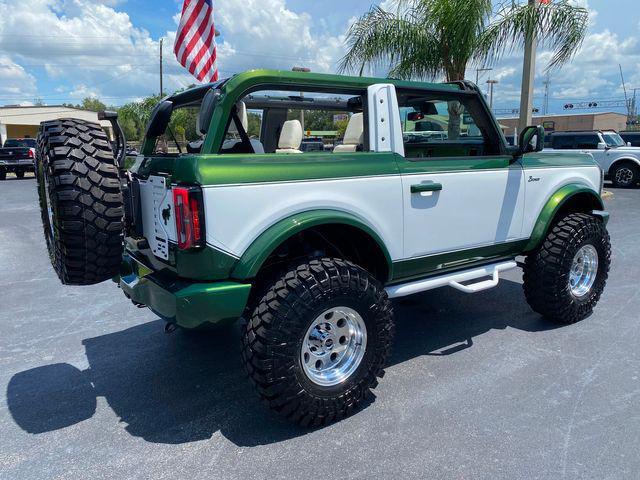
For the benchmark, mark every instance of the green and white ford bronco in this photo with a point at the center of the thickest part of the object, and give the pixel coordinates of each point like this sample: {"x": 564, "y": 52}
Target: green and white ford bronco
{"x": 310, "y": 248}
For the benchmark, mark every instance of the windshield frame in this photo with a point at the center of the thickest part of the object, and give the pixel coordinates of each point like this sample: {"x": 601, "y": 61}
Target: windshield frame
{"x": 613, "y": 139}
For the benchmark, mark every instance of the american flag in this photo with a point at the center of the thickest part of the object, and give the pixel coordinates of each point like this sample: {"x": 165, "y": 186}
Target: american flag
{"x": 195, "y": 46}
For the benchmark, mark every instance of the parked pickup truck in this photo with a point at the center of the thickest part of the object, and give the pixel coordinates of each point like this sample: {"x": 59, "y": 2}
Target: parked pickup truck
{"x": 310, "y": 248}
{"x": 17, "y": 156}
{"x": 619, "y": 161}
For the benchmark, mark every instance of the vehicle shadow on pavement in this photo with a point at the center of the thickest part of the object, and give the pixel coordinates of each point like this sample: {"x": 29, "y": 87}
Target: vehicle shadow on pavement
{"x": 185, "y": 387}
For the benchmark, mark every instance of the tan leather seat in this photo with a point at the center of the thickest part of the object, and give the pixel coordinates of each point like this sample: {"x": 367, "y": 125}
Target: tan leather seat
{"x": 290, "y": 137}
{"x": 353, "y": 136}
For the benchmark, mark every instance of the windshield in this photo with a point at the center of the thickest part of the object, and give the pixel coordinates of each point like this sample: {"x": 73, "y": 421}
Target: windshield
{"x": 20, "y": 143}
{"x": 613, "y": 140}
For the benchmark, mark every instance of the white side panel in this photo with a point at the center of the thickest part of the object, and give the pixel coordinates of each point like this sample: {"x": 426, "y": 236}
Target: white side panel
{"x": 237, "y": 215}
{"x": 542, "y": 183}
{"x": 473, "y": 209}
{"x": 385, "y": 130}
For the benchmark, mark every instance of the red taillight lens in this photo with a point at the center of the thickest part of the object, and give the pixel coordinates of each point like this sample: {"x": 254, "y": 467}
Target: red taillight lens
{"x": 31, "y": 154}
{"x": 187, "y": 203}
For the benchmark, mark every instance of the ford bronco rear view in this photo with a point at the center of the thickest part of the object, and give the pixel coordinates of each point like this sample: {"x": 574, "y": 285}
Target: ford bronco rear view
{"x": 310, "y": 248}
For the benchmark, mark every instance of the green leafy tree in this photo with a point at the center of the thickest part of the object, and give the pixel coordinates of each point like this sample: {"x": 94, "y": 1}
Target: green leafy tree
{"x": 341, "y": 128}
{"x": 255, "y": 123}
{"x": 93, "y": 104}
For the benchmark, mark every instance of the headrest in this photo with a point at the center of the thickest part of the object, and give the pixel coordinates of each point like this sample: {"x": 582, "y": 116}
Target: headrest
{"x": 291, "y": 135}
{"x": 242, "y": 114}
{"x": 355, "y": 130}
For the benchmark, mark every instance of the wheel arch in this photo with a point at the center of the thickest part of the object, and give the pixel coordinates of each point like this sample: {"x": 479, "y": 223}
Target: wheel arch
{"x": 570, "y": 198}
{"x": 277, "y": 235}
{"x": 620, "y": 160}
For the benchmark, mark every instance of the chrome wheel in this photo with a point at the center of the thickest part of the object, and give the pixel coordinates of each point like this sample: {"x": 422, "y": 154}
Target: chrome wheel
{"x": 624, "y": 176}
{"x": 584, "y": 270}
{"x": 333, "y": 347}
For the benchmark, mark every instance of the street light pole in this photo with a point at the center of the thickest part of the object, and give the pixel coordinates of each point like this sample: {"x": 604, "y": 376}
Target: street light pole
{"x": 161, "y": 86}
{"x": 491, "y": 84}
{"x": 303, "y": 70}
{"x": 528, "y": 77}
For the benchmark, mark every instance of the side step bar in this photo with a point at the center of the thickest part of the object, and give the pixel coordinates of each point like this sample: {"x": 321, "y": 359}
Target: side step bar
{"x": 455, "y": 280}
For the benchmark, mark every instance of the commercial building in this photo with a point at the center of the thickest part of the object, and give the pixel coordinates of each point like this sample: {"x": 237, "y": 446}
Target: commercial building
{"x": 571, "y": 121}
{"x": 23, "y": 122}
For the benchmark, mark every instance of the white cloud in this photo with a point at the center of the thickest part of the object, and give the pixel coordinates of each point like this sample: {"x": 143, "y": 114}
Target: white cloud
{"x": 15, "y": 81}
{"x": 95, "y": 49}
{"x": 266, "y": 34}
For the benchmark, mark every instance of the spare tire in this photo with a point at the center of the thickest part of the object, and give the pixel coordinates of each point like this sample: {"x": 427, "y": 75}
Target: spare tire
{"x": 81, "y": 201}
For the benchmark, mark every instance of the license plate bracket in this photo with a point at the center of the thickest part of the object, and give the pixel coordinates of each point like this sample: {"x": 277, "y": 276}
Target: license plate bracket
{"x": 156, "y": 199}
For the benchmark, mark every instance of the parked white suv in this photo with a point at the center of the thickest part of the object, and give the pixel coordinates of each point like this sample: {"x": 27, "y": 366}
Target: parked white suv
{"x": 620, "y": 162}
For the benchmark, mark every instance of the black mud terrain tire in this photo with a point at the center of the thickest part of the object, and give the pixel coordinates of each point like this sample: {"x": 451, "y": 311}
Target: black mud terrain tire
{"x": 625, "y": 174}
{"x": 547, "y": 271}
{"x": 80, "y": 201}
{"x": 272, "y": 343}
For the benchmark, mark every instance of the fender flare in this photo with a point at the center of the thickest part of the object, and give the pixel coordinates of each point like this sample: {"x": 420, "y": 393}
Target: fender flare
{"x": 624, "y": 159}
{"x": 270, "y": 239}
{"x": 553, "y": 205}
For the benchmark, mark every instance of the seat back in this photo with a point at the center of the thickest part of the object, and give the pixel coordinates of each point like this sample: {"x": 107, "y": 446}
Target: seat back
{"x": 244, "y": 119}
{"x": 290, "y": 137}
{"x": 354, "y": 135}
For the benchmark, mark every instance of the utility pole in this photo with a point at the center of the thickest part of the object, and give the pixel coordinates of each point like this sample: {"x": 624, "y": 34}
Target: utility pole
{"x": 528, "y": 77}
{"x": 491, "y": 84}
{"x": 303, "y": 70}
{"x": 545, "y": 107}
{"x": 478, "y": 70}
{"x": 161, "y": 86}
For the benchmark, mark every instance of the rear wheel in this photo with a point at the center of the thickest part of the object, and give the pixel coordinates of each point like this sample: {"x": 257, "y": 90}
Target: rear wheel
{"x": 625, "y": 174}
{"x": 80, "y": 201}
{"x": 3, "y": 174}
{"x": 20, "y": 173}
{"x": 565, "y": 277}
{"x": 317, "y": 341}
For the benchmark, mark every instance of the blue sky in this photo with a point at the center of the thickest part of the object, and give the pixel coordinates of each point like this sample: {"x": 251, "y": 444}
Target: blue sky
{"x": 65, "y": 50}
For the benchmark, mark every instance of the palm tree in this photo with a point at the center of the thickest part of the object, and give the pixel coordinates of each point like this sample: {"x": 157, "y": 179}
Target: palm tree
{"x": 431, "y": 38}
{"x": 428, "y": 38}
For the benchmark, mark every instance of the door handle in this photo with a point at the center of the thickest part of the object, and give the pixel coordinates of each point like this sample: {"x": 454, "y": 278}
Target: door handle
{"x": 426, "y": 187}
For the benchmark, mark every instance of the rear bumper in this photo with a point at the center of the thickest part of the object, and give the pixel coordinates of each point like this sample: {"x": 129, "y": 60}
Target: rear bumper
{"x": 187, "y": 304}
{"x": 21, "y": 164}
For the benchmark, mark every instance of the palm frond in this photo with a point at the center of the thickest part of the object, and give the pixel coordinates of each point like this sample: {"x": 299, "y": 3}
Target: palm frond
{"x": 382, "y": 39}
{"x": 559, "y": 26}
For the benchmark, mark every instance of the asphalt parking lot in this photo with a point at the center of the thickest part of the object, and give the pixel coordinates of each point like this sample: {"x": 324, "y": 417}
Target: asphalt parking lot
{"x": 477, "y": 387}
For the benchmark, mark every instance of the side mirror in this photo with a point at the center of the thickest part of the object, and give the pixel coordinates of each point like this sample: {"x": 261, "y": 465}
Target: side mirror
{"x": 602, "y": 146}
{"x": 628, "y": 144}
{"x": 531, "y": 139}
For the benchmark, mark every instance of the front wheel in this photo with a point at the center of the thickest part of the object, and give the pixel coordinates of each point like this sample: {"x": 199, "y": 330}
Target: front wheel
{"x": 317, "y": 341}
{"x": 625, "y": 175}
{"x": 565, "y": 277}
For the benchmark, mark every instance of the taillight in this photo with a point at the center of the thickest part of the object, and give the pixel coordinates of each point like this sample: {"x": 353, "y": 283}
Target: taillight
{"x": 187, "y": 203}
{"x": 31, "y": 154}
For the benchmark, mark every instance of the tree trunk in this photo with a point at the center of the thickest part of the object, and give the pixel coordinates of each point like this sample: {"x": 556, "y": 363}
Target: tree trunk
{"x": 455, "y": 109}
{"x": 455, "y": 112}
